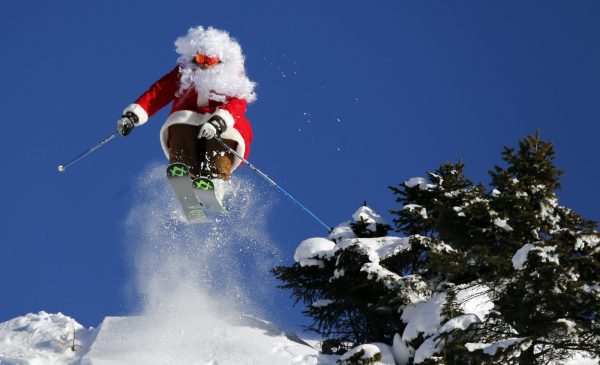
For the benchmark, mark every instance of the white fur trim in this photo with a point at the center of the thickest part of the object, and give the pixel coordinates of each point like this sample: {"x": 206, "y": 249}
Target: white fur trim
{"x": 139, "y": 111}
{"x": 192, "y": 118}
{"x": 227, "y": 117}
{"x": 234, "y": 135}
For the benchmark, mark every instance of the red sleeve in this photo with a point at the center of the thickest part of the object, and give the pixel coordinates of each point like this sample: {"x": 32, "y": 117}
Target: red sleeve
{"x": 161, "y": 93}
{"x": 236, "y": 107}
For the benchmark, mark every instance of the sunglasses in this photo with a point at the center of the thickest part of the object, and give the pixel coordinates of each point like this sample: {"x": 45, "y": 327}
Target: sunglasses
{"x": 204, "y": 60}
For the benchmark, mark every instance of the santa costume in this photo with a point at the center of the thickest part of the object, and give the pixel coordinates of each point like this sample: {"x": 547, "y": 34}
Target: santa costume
{"x": 208, "y": 85}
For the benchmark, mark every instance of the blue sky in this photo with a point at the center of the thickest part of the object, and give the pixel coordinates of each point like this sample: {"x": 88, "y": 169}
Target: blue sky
{"x": 353, "y": 96}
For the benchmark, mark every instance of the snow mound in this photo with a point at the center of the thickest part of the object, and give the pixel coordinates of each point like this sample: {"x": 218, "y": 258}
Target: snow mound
{"x": 416, "y": 208}
{"x": 367, "y": 215}
{"x": 311, "y": 248}
{"x": 520, "y": 257}
{"x": 342, "y": 231}
{"x": 420, "y": 182}
{"x": 425, "y": 319}
{"x": 545, "y": 254}
{"x": 42, "y": 339}
{"x": 372, "y": 353}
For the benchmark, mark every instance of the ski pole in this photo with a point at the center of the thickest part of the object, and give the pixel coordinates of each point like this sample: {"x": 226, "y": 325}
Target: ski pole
{"x": 61, "y": 168}
{"x": 273, "y": 183}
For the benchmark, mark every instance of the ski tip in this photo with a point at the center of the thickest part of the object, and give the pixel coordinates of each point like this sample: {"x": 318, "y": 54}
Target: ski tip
{"x": 203, "y": 183}
{"x": 178, "y": 170}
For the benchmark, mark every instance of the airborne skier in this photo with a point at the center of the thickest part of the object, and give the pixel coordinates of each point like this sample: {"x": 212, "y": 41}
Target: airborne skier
{"x": 209, "y": 90}
{"x": 206, "y": 136}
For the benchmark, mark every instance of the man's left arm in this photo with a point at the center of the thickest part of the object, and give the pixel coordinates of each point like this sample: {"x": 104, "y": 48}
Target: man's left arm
{"x": 230, "y": 111}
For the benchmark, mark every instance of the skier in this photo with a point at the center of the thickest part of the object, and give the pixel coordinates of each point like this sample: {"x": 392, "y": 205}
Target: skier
{"x": 209, "y": 90}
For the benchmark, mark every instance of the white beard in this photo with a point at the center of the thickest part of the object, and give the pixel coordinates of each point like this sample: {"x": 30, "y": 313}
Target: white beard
{"x": 227, "y": 79}
{"x": 216, "y": 83}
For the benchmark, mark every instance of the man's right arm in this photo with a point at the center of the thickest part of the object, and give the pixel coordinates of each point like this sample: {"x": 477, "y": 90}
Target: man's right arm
{"x": 161, "y": 93}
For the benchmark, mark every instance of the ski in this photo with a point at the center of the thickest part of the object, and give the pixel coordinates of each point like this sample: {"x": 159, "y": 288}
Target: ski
{"x": 209, "y": 193}
{"x": 178, "y": 175}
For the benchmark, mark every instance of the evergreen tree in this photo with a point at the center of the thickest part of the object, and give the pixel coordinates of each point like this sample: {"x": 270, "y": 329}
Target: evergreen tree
{"x": 347, "y": 305}
{"x": 503, "y": 275}
{"x": 539, "y": 260}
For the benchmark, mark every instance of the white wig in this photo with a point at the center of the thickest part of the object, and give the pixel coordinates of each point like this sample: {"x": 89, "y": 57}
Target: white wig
{"x": 227, "y": 79}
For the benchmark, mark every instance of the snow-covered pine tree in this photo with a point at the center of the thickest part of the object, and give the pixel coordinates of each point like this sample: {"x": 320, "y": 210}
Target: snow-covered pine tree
{"x": 536, "y": 261}
{"x": 355, "y": 282}
{"x": 555, "y": 259}
{"x": 498, "y": 276}
{"x": 347, "y": 305}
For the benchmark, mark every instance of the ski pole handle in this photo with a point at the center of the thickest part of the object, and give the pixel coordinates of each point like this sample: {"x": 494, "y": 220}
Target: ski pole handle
{"x": 62, "y": 168}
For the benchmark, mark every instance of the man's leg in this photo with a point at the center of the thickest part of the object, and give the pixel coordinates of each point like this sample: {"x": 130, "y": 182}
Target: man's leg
{"x": 185, "y": 147}
{"x": 218, "y": 161}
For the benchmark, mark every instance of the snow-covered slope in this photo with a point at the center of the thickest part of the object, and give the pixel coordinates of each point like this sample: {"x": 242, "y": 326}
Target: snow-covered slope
{"x": 47, "y": 339}
{"x": 162, "y": 340}
{"x": 55, "y": 339}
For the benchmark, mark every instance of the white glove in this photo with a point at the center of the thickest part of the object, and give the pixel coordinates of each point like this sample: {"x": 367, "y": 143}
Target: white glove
{"x": 207, "y": 131}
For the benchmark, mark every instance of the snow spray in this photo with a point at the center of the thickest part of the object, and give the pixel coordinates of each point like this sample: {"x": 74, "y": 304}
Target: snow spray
{"x": 206, "y": 266}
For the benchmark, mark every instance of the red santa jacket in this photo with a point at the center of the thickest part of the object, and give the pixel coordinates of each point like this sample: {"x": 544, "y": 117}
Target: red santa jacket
{"x": 189, "y": 108}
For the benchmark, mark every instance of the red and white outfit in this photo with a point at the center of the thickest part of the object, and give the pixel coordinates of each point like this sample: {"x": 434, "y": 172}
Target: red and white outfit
{"x": 189, "y": 107}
